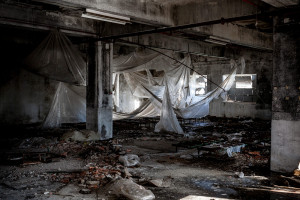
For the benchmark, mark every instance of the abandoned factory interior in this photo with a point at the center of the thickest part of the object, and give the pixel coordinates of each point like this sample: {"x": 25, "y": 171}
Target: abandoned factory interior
{"x": 149, "y": 99}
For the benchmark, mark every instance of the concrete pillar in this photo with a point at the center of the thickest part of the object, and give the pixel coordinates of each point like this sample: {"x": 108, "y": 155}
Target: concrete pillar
{"x": 285, "y": 133}
{"x": 99, "y": 90}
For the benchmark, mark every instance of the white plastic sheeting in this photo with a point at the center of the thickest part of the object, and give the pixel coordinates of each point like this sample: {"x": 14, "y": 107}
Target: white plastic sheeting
{"x": 68, "y": 106}
{"x": 172, "y": 93}
{"x": 168, "y": 120}
{"x": 169, "y": 95}
{"x": 199, "y": 106}
{"x": 177, "y": 99}
{"x": 57, "y": 59}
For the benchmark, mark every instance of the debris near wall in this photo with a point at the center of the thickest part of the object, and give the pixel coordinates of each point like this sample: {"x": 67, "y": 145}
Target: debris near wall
{"x": 297, "y": 171}
{"x": 245, "y": 143}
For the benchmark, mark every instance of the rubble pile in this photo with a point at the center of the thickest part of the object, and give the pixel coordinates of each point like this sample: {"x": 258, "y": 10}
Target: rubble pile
{"x": 102, "y": 164}
{"x": 244, "y": 143}
{"x": 138, "y": 159}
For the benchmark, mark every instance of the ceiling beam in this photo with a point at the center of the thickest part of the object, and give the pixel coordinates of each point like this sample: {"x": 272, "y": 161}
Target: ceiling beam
{"x": 40, "y": 19}
{"x": 282, "y": 3}
{"x": 176, "y": 44}
{"x": 139, "y": 11}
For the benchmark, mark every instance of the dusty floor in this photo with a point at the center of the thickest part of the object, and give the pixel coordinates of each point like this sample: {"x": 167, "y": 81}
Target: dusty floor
{"x": 41, "y": 165}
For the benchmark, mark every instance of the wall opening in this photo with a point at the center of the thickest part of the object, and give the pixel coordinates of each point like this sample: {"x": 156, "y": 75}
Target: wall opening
{"x": 243, "y": 89}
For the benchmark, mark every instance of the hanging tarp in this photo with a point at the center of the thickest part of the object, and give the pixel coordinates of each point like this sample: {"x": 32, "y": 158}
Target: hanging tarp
{"x": 68, "y": 106}
{"x": 57, "y": 59}
{"x": 168, "y": 120}
{"x": 169, "y": 95}
{"x": 140, "y": 60}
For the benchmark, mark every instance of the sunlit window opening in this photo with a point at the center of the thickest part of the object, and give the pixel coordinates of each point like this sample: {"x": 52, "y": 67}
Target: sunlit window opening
{"x": 243, "y": 81}
{"x": 200, "y": 85}
{"x": 243, "y": 88}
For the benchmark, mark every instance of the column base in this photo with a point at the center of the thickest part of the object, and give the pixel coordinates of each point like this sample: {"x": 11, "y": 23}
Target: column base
{"x": 285, "y": 145}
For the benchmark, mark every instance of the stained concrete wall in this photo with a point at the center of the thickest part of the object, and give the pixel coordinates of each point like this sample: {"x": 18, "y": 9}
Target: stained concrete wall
{"x": 285, "y": 145}
{"x": 285, "y": 134}
{"x": 259, "y": 63}
{"x": 25, "y": 97}
{"x": 188, "y": 12}
{"x": 219, "y": 108}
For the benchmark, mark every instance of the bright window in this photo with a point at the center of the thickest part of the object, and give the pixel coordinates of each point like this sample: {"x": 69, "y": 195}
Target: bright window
{"x": 243, "y": 81}
{"x": 201, "y": 85}
{"x": 243, "y": 88}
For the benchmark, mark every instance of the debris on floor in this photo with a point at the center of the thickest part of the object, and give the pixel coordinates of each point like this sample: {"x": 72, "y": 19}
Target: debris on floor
{"x": 216, "y": 158}
{"x": 130, "y": 160}
{"x": 297, "y": 171}
{"x": 130, "y": 190}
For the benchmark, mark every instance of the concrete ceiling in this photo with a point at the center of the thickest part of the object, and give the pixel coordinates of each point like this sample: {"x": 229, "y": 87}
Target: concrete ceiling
{"x": 171, "y": 2}
{"x": 158, "y": 13}
{"x": 282, "y": 3}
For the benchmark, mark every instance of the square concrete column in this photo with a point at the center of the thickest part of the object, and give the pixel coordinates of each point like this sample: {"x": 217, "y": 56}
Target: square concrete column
{"x": 99, "y": 90}
{"x": 285, "y": 133}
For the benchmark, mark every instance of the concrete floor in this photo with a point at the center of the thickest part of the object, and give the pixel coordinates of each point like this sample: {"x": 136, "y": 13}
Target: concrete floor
{"x": 191, "y": 177}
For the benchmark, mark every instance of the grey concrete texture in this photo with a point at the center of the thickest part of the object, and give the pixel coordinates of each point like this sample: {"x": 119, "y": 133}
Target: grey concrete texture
{"x": 286, "y": 70}
{"x": 285, "y": 145}
{"x": 143, "y": 13}
{"x": 282, "y": 3}
{"x": 25, "y": 97}
{"x": 139, "y": 10}
{"x": 259, "y": 63}
{"x": 99, "y": 90}
{"x": 48, "y": 18}
{"x": 195, "y": 11}
{"x": 219, "y": 108}
{"x": 285, "y": 152}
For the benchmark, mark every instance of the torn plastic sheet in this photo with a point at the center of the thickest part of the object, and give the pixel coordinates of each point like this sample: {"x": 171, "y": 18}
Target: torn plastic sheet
{"x": 57, "y": 59}
{"x": 139, "y": 83}
{"x": 168, "y": 121}
{"x": 234, "y": 149}
{"x": 144, "y": 94}
{"x": 68, "y": 106}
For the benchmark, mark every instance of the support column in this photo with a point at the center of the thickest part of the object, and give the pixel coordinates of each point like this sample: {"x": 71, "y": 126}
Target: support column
{"x": 99, "y": 90}
{"x": 285, "y": 133}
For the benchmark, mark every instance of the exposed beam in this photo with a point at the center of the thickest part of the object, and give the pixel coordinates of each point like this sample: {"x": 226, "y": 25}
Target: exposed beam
{"x": 176, "y": 44}
{"x": 180, "y": 27}
{"x": 282, "y": 3}
{"x": 25, "y": 24}
{"x": 238, "y": 35}
{"x": 40, "y": 19}
{"x": 265, "y": 40}
{"x": 21, "y": 16}
{"x": 44, "y": 20}
{"x": 139, "y": 11}
{"x": 207, "y": 10}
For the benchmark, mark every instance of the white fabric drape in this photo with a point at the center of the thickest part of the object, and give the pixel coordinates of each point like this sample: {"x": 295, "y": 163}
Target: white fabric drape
{"x": 169, "y": 95}
{"x": 57, "y": 59}
{"x": 68, "y": 106}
